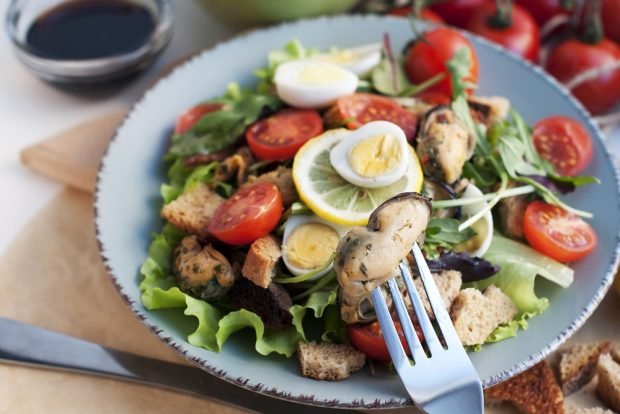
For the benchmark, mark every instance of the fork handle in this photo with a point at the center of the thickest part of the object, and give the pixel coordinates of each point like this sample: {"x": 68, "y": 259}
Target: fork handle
{"x": 24, "y": 344}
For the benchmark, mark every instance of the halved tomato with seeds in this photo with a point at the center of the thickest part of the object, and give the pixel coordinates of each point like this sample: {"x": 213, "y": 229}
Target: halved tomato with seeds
{"x": 282, "y": 134}
{"x": 557, "y": 233}
{"x": 355, "y": 110}
{"x": 563, "y": 142}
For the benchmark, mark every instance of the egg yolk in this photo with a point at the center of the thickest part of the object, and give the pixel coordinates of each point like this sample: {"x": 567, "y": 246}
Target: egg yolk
{"x": 319, "y": 75}
{"x": 341, "y": 58}
{"x": 376, "y": 155}
{"x": 311, "y": 245}
{"x": 480, "y": 227}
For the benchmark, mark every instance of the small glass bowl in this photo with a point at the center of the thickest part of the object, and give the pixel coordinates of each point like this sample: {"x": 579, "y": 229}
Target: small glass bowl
{"x": 22, "y": 14}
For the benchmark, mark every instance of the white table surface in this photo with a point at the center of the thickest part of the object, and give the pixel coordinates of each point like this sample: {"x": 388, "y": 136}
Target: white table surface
{"x": 31, "y": 110}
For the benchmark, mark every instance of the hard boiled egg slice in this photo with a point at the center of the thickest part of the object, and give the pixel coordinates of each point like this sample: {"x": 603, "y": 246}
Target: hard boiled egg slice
{"x": 359, "y": 60}
{"x": 308, "y": 243}
{"x": 310, "y": 84}
{"x": 479, "y": 244}
{"x": 374, "y": 155}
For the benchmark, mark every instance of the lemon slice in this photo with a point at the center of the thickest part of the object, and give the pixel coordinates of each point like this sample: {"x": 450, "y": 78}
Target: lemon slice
{"x": 333, "y": 198}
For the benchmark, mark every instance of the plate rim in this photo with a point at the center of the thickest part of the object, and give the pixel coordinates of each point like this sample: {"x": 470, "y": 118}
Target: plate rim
{"x": 182, "y": 348}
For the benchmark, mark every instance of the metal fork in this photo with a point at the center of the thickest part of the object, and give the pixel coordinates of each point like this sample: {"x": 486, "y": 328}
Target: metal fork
{"x": 441, "y": 378}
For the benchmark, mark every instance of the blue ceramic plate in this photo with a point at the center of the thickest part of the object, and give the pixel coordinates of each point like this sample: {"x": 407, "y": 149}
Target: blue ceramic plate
{"x": 128, "y": 202}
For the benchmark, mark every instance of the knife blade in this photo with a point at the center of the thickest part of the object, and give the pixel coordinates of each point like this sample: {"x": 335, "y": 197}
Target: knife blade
{"x": 25, "y": 344}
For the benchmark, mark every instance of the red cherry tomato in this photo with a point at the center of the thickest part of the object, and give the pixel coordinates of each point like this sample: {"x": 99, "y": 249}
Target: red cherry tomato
{"x": 543, "y": 10}
{"x": 563, "y": 142}
{"x": 556, "y": 233}
{"x": 456, "y": 12}
{"x": 425, "y": 14}
{"x": 368, "y": 338}
{"x": 426, "y": 58}
{"x": 520, "y": 37}
{"x": 610, "y": 13}
{"x": 574, "y": 57}
{"x": 434, "y": 97}
{"x": 188, "y": 119}
{"x": 251, "y": 213}
{"x": 355, "y": 110}
{"x": 282, "y": 134}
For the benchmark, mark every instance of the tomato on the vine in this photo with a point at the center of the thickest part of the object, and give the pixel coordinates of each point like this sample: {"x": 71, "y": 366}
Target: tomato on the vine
{"x": 456, "y": 12}
{"x": 574, "y": 57}
{"x": 425, "y": 14}
{"x": 188, "y": 119}
{"x": 557, "y": 233}
{"x": 279, "y": 136}
{"x": 428, "y": 57}
{"x": 516, "y": 30}
{"x": 251, "y": 213}
{"x": 563, "y": 142}
{"x": 544, "y": 10}
{"x": 369, "y": 339}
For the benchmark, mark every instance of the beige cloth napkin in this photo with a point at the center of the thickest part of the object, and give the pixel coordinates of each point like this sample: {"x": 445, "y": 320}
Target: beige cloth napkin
{"x": 51, "y": 276}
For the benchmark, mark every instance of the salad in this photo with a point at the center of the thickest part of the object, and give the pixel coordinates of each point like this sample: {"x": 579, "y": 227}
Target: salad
{"x": 287, "y": 203}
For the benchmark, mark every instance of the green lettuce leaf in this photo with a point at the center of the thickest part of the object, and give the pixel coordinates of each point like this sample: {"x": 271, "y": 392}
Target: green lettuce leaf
{"x": 159, "y": 291}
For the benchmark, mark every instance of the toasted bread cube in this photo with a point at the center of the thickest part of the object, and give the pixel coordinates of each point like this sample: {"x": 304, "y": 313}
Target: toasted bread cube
{"x": 193, "y": 209}
{"x": 578, "y": 365}
{"x": 331, "y": 362}
{"x": 608, "y": 387}
{"x": 449, "y": 285}
{"x": 260, "y": 263}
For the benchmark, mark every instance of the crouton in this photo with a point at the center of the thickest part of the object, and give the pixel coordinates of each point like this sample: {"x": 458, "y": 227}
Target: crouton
{"x": 331, "y": 362}
{"x": 608, "y": 387}
{"x": 260, "y": 263}
{"x": 271, "y": 304}
{"x": 578, "y": 365}
{"x": 534, "y": 391}
{"x": 476, "y": 315}
{"x": 511, "y": 211}
{"x": 235, "y": 166}
{"x": 590, "y": 410}
{"x": 193, "y": 209}
{"x": 449, "y": 285}
{"x": 283, "y": 179}
{"x": 488, "y": 110}
{"x": 615, "y": 353}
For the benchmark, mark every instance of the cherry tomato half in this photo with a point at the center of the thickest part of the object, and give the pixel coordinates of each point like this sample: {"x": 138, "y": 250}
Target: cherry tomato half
{"x": 427, "y": 58}
{"x": 425, "y": 14}
{"x": 188, "y": 119}
{"x": 610, "y": 13}
{"x": 563, "y": 142}
{"x": 251, "y": 213}
{"x": 368, "y": 338}
{"x": 282, "y": 134}
{"x": 557, "y": 233}
{"x": 355, "y": 110}
{"x": 573, "y": 57}
{"x": 456, "y": 12}
{"x": 520, "y": 37}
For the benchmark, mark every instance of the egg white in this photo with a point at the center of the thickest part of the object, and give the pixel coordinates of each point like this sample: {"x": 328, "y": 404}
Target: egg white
{"x": 359, "y": 60}
{"x": 471, "y": 191}
{"x": 293, "y": 90}
{"x": 339, "y": 155}
{"x": 295, "y": 221}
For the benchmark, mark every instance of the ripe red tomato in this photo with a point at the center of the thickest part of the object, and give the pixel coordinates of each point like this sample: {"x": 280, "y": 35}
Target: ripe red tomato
{"x": 456, "y": 12}
{"x": 426, "y": 58}
{"x": 355, "y": 110}
{"x": 251, "y": 213}
{"x": 543, "y": 10}
{"x": 425, "y": 14}
{"x": 563, "y": 142}
{"x": 573, "y": 57}
{"x": 520, "y": 36}
{"x": 282, "y": 134}
{"x": 368, "y": 338}
{"x": 556, "y": 233}
{"x": 188, "y": 119}
{"x": 610, "y": 13}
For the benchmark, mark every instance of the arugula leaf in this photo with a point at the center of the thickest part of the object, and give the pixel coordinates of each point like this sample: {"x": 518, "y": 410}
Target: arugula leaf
{"x": 220, "y": 129}
{"x": 444, "y": 232}
{"x": 458, "y": 67}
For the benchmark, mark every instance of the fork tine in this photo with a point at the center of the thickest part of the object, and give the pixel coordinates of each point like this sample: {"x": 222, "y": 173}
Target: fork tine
{"x": 399, "y": 358}
{"x": 439, "y": 309}
{"x": 415, "y": 346}
{"x": 425, "y": 323}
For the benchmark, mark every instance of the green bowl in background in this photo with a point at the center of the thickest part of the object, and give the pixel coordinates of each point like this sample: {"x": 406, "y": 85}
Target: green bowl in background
{"x": 245, "y": 13}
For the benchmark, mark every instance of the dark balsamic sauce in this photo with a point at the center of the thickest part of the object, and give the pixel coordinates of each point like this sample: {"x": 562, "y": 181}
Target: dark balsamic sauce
{"x": 81, "y": 29}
